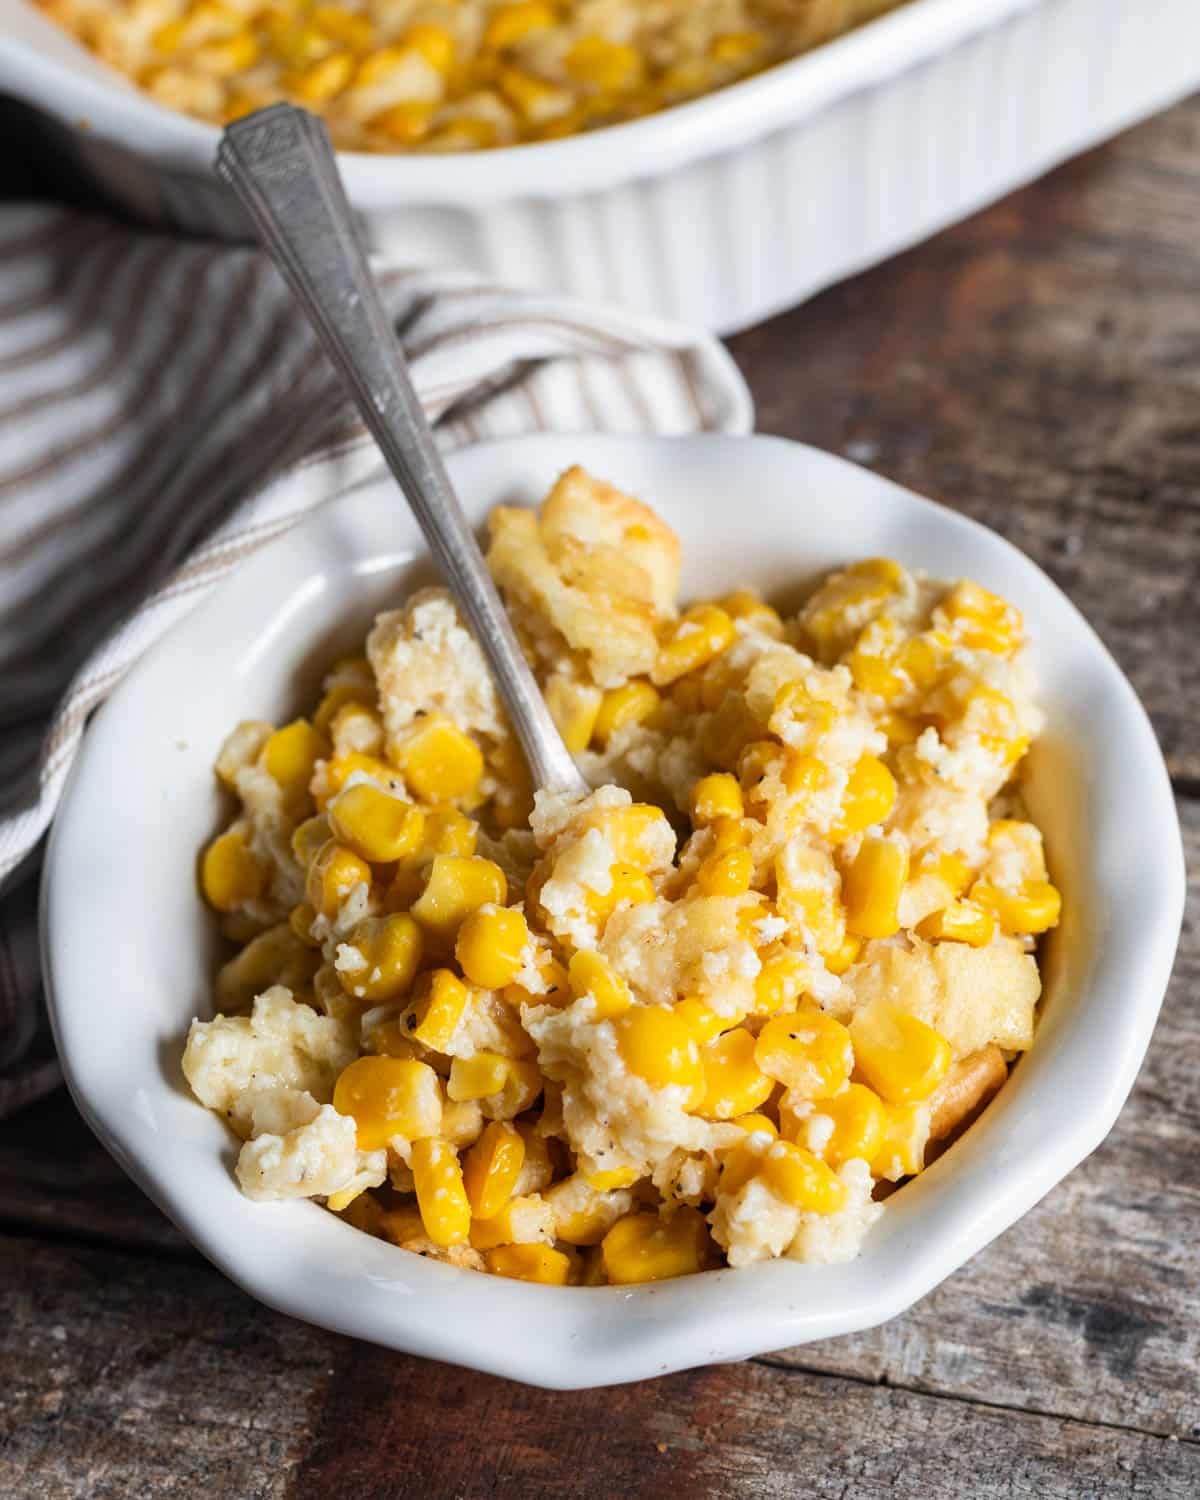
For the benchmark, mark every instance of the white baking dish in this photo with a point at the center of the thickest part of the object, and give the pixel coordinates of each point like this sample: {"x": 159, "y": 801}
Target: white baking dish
{"x": 721, "y": 211}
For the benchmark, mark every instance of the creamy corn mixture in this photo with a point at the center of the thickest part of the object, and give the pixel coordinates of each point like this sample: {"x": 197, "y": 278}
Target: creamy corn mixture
{"x": 708, "y": 1014}
{"x": 448, "y": 75}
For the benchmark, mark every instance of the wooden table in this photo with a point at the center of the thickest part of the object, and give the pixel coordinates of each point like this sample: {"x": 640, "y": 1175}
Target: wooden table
{"x": 1038, "y": 368}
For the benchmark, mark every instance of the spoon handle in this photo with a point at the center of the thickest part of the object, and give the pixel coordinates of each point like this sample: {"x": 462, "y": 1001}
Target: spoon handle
{"x": 281, "y": 165}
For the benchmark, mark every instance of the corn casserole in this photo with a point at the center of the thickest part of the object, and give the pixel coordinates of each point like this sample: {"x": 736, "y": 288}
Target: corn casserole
{"x": 710, "y": 1013}
{"x": 448, "y": 75}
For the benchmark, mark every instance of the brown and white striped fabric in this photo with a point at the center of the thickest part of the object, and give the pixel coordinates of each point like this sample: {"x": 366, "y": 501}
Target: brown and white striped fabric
{"x": 164, "y": 411}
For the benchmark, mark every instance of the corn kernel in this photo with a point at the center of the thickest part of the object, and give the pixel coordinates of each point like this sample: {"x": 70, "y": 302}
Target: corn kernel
{"x": 477, "y": 1077}
{"x": 490, "y": 946}
{"x": 389, "y": 1096}
{"x": 629, "y": 887}
{"x": 807, "y": 894}
{"x": 799, "y": 718}
{"x": 491, "y": 1168}
{"x": 434, "y": 1016}
{"x": 643, "y": 1247}
{"x": 704, "y": 1022}
{"x": 631, "y": 704}
{"x": 844, "y": 955}
{"x": 540, "y": 1263}
{"x": 869, "y": 797}
{"x": 224, "y": 58}
{"x": 633, "y": 832}
{"x": 1019, "y": 843}
{"x": 901, "y": 1152}
{"x": 520, "y": 1221}
{"x": 341, "y": 695}
{"x": 323, "y": 80}
{"x": 613, "y": 1179}
{"x": 230, "y": 872}
{"x": 697, "y": 638}
{"x": 960, "y": 922}
{"x": 737, "y": 46}
{"x": 434, "y": 43}
{"x": 447, "y": 831}
{"x": 659, "y": 1047}
{"x": 873, "y": 886}
{"x": 590, "y": 974}
{"x": 332, "y": 776}
{"x": 376, "y": 825}
{"x": 602, "y": 64}
{"x": 510, "y": 24}
{"x": 391, "y": 952}
{"x": 441, "y": 1197}
{"x": 405, "y": 123}
{"x": 755, "y": 1124}
{"x": 858, "y": 1124}
{"x": 583, "y": 1214}
{"x": 746, "y": 606}
{"x": 333, "y": 874}
{"x": 716, "y": 797}
{"x": 534, "y": 99}
{"x": 779, "y": 982}
{"x": 802, "y": 1179}
{"x": 901, "y": 1057}
{"x": 1035, "y": 908}
{"x": 848, "y": 601}
{"x": 440, "y": 762}
{"x": 290, "y": 757}
{"x": 734, "y": 1083}
{"x": 455, "y": 886}
{"x": 807, "y": 1051}
{"x": 574, "y": 707}
{"x": 309, "y": 838}
{"x": 874, "y": 663}
{"x": 726, "y": 874}
{"x": 348, "y": 27}
{"x": 980, "y": 620}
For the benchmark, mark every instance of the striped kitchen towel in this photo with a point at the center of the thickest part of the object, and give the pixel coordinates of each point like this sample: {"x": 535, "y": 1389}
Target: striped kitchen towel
{"x": 165, "y": 411}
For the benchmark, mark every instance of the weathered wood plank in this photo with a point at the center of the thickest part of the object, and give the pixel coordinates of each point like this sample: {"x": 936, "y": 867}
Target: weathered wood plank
{"x": 1039, "y": 368}
{"x": 129, "y": 1376}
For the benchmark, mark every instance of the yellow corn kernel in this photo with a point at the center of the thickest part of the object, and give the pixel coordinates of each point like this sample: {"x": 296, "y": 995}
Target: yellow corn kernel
{"x": 534, "y": 99}
{"x": 230, "y": 872}
{"x": 960, "y": 922}
{"x": 980, "y": 620}
{"x": 901, "y": 1152}
{"x": 726, "y": 874}
{"x": 807, "y": 1051}
{"x": 800, "y": 718}
{"x": 631, "y": 704}
{"x": 697, "y": 637}
{"x": 745, "y": 605}
{"x": 742, "y": 1162}
{"x": 447, "y": 831}
{"x": 629, "y": 887}
{"x": 405, "y": 123}
{"x": 660, "y": 1048}
{"x": 491, "y": 1168}
{"x": 441, "y": 1197}
{"x": 583, "y": 1214}
{"x": 807, "y": 894}
{"x": 778, "y": 982}
{"x": 613, "y": 1180}
{"x": 858, "y": 1124}
{"x": 440, "y": 762}
{"x": 434, "y": 1016}
{"x": 755, "y": 1124}
{"x": 540, "y": 1263}
{"x": 477, "y": 1077}
{"x": 704, "y": 1022}
{"x": 1035, "y": 908}
{"x": 873, "y": 662}
{"x": 845, "y": 955}
{"x": 869, "y": 797}
{"x": 734, "y": 1084}
{"x": 802, "y": 1179}
{"x": 901, "y": 1057}
{"x": 300, "y": 920}
{"x": 491, "y": 945}
{"x": 589, "y": 974}
{"x": 455, "y": 886}
{"x": 602, "y": 64}
{"x": 951, "y": 869}
{"x": 323, "y": 80}
{"x": 333, "y": 775}
{"x": 229, "y": 55}
{"x": 332, "y": 875}
{"x": 716, "y": 797}
{"x": 434, "y": 43}
{"x": 737, "y": 46}
{"x": 510, "y": 24}
{"x": 349, "y": 27}
{"x": 340, "y": 696}
{"x": 1018, "y": 843}
{"x": 873, "y": 886}
{"x": 643, "y": 1247}
{"x": 574, "y": 707}
{"x": 389, "y": 1096}
{"x": 374, "y": 824}
{"x": 633, "y": 832}
{"x": 391, "y": 952}
{"x": 520, "y": 1221}
{"x": 290, "y": 757}
{"x": 847, "y": 602}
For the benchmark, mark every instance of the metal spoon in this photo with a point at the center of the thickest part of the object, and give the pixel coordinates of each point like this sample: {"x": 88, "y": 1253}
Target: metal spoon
{"x": 280, "y": 164}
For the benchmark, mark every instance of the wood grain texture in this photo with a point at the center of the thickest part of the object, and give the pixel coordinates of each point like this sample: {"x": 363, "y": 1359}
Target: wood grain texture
{"x": 1039, "y": 369}
{"x": 134, "y": 1377}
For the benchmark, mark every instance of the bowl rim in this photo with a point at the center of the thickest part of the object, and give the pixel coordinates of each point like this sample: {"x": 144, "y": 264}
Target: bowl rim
{"x": 584, "y": 1336}
{"x": 717, "y": 123}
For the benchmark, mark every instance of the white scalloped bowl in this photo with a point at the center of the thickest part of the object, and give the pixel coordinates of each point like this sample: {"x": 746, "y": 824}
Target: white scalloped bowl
{"x": 129, "y": 949}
